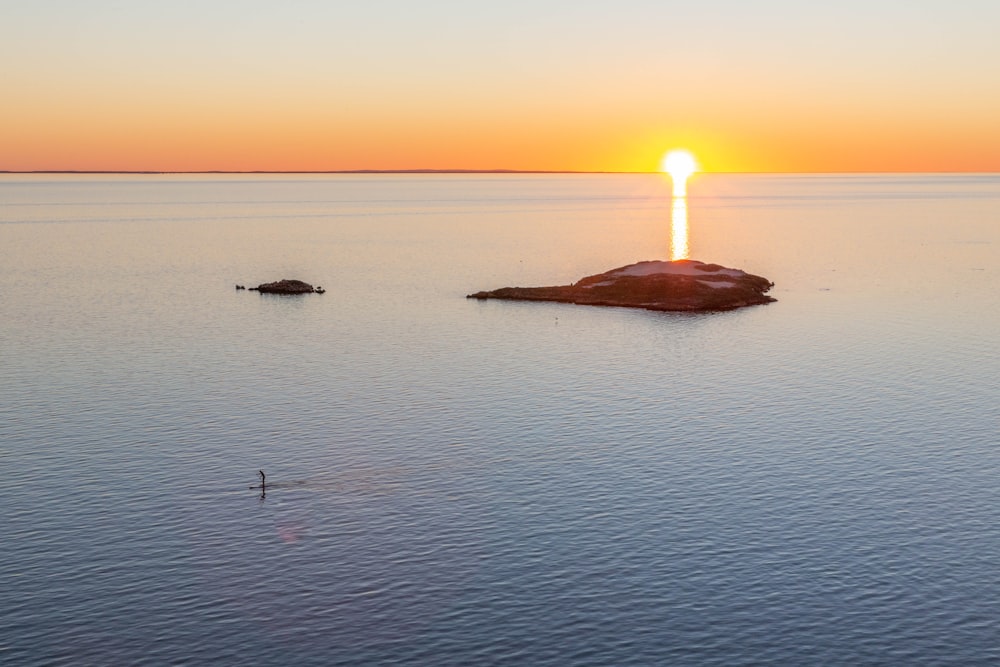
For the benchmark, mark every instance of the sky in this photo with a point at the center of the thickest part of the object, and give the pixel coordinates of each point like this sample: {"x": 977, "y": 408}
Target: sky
{"x": 574, "y": 85}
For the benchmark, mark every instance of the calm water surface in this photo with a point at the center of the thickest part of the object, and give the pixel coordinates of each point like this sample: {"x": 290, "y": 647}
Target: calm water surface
{"x": 816, "y": 481}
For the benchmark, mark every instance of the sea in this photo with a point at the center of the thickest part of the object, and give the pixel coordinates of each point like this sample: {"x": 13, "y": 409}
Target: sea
{"x": 815, "y": 481}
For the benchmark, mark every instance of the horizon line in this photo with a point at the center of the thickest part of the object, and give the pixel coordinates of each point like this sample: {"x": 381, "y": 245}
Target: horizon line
{"x": 154, "y": 172}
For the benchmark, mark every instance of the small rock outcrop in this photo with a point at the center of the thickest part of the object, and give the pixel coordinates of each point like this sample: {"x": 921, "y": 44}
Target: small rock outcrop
{"x": 681, "y": 285}
{"x": 285, "y": 287}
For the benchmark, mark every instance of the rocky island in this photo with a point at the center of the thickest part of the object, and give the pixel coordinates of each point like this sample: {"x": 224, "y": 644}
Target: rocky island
{"x": 681, "y": 285}
{"x": 285, "y": 287}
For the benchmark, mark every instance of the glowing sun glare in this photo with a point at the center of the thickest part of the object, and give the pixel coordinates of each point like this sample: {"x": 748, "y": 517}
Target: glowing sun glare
{"x": 680, "y": 165}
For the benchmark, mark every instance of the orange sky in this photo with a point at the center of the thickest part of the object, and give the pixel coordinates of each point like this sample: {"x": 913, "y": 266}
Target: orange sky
{"x": 543, "y": 85}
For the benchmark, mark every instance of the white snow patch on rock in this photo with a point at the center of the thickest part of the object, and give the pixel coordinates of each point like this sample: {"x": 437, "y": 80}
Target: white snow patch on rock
{"x": 682, "y": 267}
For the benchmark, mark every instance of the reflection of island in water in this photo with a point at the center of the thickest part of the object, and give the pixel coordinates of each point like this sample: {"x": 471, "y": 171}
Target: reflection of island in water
{"x": 680, "y": 284}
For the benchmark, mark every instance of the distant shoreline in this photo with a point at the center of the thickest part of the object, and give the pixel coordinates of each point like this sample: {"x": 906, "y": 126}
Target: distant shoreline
{"x": 341, "y": 171}
{"x": 448, "y": 171}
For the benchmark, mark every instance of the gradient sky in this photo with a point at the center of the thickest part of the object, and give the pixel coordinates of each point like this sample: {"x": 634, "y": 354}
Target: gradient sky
{"x": 778, "y": 85}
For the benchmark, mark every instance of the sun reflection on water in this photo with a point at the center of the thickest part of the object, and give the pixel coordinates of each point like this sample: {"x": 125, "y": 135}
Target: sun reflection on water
{"x": 679, "y": 246}
{"x": 680, "y": 164}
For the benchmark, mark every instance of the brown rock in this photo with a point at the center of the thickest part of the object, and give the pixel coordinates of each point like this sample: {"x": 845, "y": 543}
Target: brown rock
{"x": 682, "y": 285}
{"x": 285, "y": 287}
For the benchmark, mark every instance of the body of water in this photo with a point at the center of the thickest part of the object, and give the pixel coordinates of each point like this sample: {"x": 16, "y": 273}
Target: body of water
{"x": 815, "y": 481}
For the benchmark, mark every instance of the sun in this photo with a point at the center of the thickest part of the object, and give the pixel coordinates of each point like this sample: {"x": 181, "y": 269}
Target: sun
{"x": 680, "y": 164}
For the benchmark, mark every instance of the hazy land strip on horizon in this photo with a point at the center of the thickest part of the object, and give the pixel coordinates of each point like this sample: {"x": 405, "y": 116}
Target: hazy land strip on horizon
{"x": 313, "y": 171}
{"x": 154, "y": 172}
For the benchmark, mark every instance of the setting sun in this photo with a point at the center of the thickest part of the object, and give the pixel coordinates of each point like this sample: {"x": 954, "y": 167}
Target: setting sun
{"x": 680, "y": 165}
